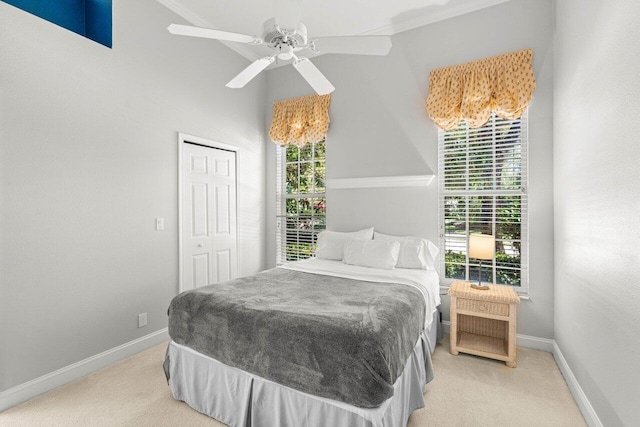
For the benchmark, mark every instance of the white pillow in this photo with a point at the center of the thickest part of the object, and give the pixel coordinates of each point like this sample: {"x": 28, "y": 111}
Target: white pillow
{"x": 372, "y": 253}
{"x": 415, "y": 252}
{"x": 331, "y": 243}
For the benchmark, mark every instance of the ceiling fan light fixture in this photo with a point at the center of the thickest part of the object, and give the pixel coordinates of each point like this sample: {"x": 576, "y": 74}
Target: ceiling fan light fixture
{"x": 286, "y": 52}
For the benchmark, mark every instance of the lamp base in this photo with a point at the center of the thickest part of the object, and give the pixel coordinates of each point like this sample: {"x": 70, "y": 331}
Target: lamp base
{"x": 480, "y": 287}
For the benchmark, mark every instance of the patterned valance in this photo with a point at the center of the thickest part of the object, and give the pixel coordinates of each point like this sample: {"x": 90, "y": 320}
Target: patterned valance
{"x": 298, "y": 121}
{"x": 502, "y": 84}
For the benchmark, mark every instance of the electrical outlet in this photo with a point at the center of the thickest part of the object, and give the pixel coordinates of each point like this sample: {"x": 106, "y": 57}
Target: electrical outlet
{"x": 142, "y": 320}
{"x": 159, "y": 224}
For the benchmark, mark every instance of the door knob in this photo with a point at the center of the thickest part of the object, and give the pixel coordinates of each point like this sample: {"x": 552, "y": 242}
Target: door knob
{"x": 199, "y": 245}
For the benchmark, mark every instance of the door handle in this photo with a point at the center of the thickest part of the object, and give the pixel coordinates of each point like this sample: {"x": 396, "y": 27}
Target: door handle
{"x": 199, "y": 245}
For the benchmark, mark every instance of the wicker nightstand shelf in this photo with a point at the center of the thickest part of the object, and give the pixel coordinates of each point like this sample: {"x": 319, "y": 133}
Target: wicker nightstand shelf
{"x": 484, "y": 322}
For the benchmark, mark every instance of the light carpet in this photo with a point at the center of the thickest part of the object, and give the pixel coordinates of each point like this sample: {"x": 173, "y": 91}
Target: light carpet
{"x": 467, "y": 391}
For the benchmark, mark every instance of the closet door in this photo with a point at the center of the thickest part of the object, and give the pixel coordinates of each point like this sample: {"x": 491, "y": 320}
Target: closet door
{"x": 209, "y": 237}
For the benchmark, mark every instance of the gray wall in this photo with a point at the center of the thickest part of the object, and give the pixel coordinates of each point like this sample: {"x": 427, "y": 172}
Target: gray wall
{"x": 88, "y": 159}
{"x": 379, "y": 127}
{"x": 597, "y": 158}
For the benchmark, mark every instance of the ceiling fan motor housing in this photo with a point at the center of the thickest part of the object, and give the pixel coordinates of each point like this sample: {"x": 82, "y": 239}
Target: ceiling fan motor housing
{"x": 272, "y": 36}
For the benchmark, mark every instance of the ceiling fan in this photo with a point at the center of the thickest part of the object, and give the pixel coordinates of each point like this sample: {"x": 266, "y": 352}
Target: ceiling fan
{"x": 286, "y": 36}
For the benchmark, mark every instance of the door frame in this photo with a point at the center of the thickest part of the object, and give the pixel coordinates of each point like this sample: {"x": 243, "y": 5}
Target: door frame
{"x": 184, "y": 138}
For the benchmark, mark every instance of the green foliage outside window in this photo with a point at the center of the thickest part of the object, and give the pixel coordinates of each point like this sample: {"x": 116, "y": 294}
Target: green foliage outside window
{"x": 305, "y": 203}
{"x": 455, "y": 268}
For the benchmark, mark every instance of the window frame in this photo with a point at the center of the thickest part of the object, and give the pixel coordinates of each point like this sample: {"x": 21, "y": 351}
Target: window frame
{"x": 89, "y": 18}
{"x": 445, "y": 282}
{"x": 281, "y": 202}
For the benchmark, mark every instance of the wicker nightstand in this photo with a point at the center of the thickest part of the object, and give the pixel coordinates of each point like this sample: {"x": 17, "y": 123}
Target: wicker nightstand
{"x": 484, "y": 322}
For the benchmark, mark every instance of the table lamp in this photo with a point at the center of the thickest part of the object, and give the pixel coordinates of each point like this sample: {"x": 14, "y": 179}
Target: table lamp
{"x": 482, "y": 247}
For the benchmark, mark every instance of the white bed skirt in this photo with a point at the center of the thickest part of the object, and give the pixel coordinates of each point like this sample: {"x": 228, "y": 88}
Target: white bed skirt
{"x": 241, "y": 399}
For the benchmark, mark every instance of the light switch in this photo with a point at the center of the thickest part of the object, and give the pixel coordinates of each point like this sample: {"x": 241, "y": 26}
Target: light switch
{"x": 159, "y": 224}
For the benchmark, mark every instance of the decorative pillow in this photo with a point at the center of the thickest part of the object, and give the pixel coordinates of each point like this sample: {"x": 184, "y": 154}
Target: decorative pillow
{"x": 415, "y": 252}
{"x": 372, "y": 253}
{"x": 331, "y": 243}
{"x": 431, "y": 253}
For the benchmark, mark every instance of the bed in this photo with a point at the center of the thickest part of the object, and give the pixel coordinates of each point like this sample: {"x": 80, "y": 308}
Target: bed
{"x": 310, "y": 343}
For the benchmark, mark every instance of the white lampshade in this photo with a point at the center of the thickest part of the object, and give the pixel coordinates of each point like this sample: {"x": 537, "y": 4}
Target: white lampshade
{"x": 482, "y": 246}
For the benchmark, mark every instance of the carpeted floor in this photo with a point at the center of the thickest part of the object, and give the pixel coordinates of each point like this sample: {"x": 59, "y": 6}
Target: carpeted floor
{"x": 467, "y": 391}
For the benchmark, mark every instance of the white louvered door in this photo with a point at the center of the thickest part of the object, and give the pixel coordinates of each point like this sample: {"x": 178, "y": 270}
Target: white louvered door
{"x": 209, "y": 238}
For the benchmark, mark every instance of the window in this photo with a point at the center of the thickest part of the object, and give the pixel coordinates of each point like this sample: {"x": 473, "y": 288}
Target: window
{"x": 482, "y": 181}
{"x": 300, "y": 200}
{"x": 89, "y": 18}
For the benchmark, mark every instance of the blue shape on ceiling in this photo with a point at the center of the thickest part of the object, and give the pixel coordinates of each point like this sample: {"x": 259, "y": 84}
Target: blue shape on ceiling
{"x": 89, "y": 18}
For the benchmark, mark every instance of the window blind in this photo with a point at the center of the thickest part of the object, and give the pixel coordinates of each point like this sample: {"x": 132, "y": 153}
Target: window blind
{"x": 300, "y": 200}
{"x": 482, "y": 184}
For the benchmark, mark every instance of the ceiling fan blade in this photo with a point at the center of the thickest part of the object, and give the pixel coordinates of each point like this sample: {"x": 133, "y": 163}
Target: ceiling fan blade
{"x": 288, "y": 13}
{"x": 358, "y": 45}
{"x": 208, "y": 33}
{"x": 313, "y": 76}
{"x": 250, "y": 72}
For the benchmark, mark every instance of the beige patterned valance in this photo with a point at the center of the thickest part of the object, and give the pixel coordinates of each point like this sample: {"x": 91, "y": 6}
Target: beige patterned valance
{"x": 298, "y": 121}
{"x": 503, "y": 84}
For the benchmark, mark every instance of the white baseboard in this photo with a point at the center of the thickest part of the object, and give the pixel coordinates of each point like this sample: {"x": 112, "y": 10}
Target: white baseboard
{"x": 55, "y": 379}
{"x": 551, "y": 346}
{"x": 581, "y": 399}
{"x": 29, "y": 390}
{"x": 536, "y": 343}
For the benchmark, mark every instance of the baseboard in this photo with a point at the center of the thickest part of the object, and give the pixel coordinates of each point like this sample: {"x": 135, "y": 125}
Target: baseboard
{"x": 55, "y": 379}
{"x": 581, "y": 399}
{"x": 536, "y": 343}
{"x": 29, "y": 390}
{"x": 551, "y": 346}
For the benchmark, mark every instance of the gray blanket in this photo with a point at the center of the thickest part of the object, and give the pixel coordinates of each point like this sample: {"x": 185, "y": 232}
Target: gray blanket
{"x": 338, "y": 338}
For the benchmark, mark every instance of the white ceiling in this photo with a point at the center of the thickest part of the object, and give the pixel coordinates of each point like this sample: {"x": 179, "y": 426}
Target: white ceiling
{"x": 322, "y": 18}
